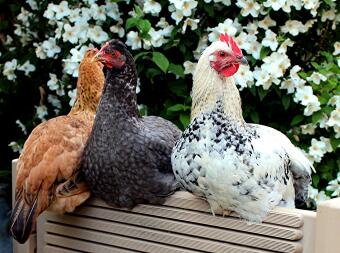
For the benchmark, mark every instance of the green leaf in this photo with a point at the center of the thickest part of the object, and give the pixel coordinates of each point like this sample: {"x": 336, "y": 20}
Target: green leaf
{"x": 296, "y": 120}
{"x": 160, "y": 60}
{"x": 262, "y": 93}
{"x": 176, "y": 69}
{"x": 131, "y": 22}
{"x": 316, "y": 117}
{"x": 144, "y": 26}
{"x": 140, "y": 55}
{"x": 177, "y": 107}
{"x": 315, "y": 65}
{"x": 329, "y": 2}
{"x": 139, "y": 12}
{"x": 328, "y": 56}
{"x": 285, "y": 102}
{"x": 184, "y": 119}
{"x": 315, "y": 180}
{"x": 264, "y": 52}
{"x": 209, "y": 9}
{"x": 151, "y": 73}
{"x": 255, "y": 117}
{"x": 335, "y": 143}
{"x": 303, "y": 75}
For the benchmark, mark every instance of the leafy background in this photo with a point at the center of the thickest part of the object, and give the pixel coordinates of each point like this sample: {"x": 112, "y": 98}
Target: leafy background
{"x": 164, "y": 66}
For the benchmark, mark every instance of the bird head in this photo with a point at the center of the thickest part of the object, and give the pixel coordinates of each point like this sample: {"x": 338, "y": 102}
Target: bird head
{"x": 112, "y": 54}
{"x": 225, "y": 56}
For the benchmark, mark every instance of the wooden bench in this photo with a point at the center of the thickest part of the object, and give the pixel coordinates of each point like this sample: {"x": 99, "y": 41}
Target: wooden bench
{"x": 184, "y": 224}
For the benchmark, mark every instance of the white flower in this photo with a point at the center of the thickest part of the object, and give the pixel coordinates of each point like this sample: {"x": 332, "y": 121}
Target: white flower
{"x": 186, "y": 6}
{"x": 244, "y": 77}
{"x": 262, "y": 78}
{"x": 73, "y": 95}
{"x": 71, "y": 64}
{"x": 304, "y": 95}
{"x": 312, "y": 106}
{"x": 275, "y": 4}
{"x": 112, "y": 10}
{"x": 190, "y": 22}
{"x": 133, "y": 40}
{"x": 311, "y": 5}
{"x": 70, "y": 34}
{"x": 225, "y": 27}
{"x": 334, "y": 186}
{"x": 157, "y": 38}
{"x": 334, "y": 119}
{"x": 52, "y": 99}
{"x": 317, "y": 196}
{"x": 61, "y": 10}
{"x": 32, "y": 4}
{"x": 328, "y": 146}
{"x": 283, "y": 47}
{"x": 293, "y": 27}
{"x": 9, "y": 68}
{"x": 270, "y": 40}
{"x": 251, "y": 28}
{"x": 328, "y": 15}
{"x": 118, "y": 29}
{"x": 308, "y": 129}
{"x": 189, "y": 67}
{"x": 50, "y": 47}
{"x": 177, "y": 15}
{"x": 52, "y": 84}
{"x": 98, "y": 12}
{"x": 27, "y": 67}
{"x": 49, "y": 12}
{"x": 336, "y": 48}
{"x": 23, "y": 16}
{"x": 202, "y": 44}
{"x": 317, "y": 150}
{"x": 21, "y": 126}
{"x": 323, "y": 121}
{"x": 267, "y": 22}
{"x": 97, "y": 34}
{"x": 15, "y": 147}
{"x": 289, "y": 85}
{"x": 316, "y": 78}
{"x": 41, "y": 112}
{"x": 335, "y": 100}
{"x": 152, "y": 7}
{"x": 249, "y": 7}
{"x": 276, "y": 64}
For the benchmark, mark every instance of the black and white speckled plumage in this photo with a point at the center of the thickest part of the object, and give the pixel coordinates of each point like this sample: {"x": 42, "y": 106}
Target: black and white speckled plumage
{"x": 127, "y": 158}
{"x": 246, "y": 168}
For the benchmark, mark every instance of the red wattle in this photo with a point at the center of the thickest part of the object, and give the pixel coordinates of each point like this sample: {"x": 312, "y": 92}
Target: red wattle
{"x": 230, "y": 70}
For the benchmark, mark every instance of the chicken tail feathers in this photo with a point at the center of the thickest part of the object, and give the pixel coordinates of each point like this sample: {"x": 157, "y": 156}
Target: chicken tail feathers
{"x": 23, "y": 219}
{"x": 301, "y": 169}
{"x": 73, "y": 186}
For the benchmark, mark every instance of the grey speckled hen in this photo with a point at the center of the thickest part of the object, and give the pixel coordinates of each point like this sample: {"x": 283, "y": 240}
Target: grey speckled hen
{"x": 127, "y": 158}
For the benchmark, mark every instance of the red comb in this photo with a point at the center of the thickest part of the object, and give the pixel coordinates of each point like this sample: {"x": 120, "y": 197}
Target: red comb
{"x": 231, "y": 43}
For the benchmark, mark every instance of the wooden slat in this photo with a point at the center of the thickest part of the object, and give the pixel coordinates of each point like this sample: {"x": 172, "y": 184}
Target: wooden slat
{"x": 98, "y": 239}
{"x": 227, "y": 223}
{"x": 56, "y": 249}
{"x": 82, "y": 246}
{"x": 277, "y": 216}
{"x": 234, "y": 237}
{"x": 150, "y": 235}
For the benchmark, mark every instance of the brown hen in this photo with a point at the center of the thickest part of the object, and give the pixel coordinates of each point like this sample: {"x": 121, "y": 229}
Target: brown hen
{"x": 47, "y": 168}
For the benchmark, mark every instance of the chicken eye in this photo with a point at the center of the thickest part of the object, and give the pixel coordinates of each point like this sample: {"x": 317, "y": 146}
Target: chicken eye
{"x": 222, "y": 54}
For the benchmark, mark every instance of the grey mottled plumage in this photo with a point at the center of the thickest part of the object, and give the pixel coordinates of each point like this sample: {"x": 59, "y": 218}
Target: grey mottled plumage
{"x": 127, "y": 158}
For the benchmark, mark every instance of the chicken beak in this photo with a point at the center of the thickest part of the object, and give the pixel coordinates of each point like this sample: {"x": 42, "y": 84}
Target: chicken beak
{"x": 242, "y": 60}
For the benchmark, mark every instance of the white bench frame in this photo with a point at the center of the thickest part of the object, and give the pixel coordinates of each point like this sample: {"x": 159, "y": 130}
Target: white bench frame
{"x": 183, "y": 224}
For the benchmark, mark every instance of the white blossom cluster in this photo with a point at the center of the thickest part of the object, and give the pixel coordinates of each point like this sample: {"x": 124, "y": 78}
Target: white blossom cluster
{"x": 73, "y": 27}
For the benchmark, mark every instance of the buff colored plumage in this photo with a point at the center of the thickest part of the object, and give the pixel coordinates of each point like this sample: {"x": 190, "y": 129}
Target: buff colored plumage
{"x": 47, "y": 168}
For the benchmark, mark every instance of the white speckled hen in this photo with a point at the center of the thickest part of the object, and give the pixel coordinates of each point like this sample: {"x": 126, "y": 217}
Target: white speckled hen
{"x": 236, "y": 166}
{"x": 127, "y": 158}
